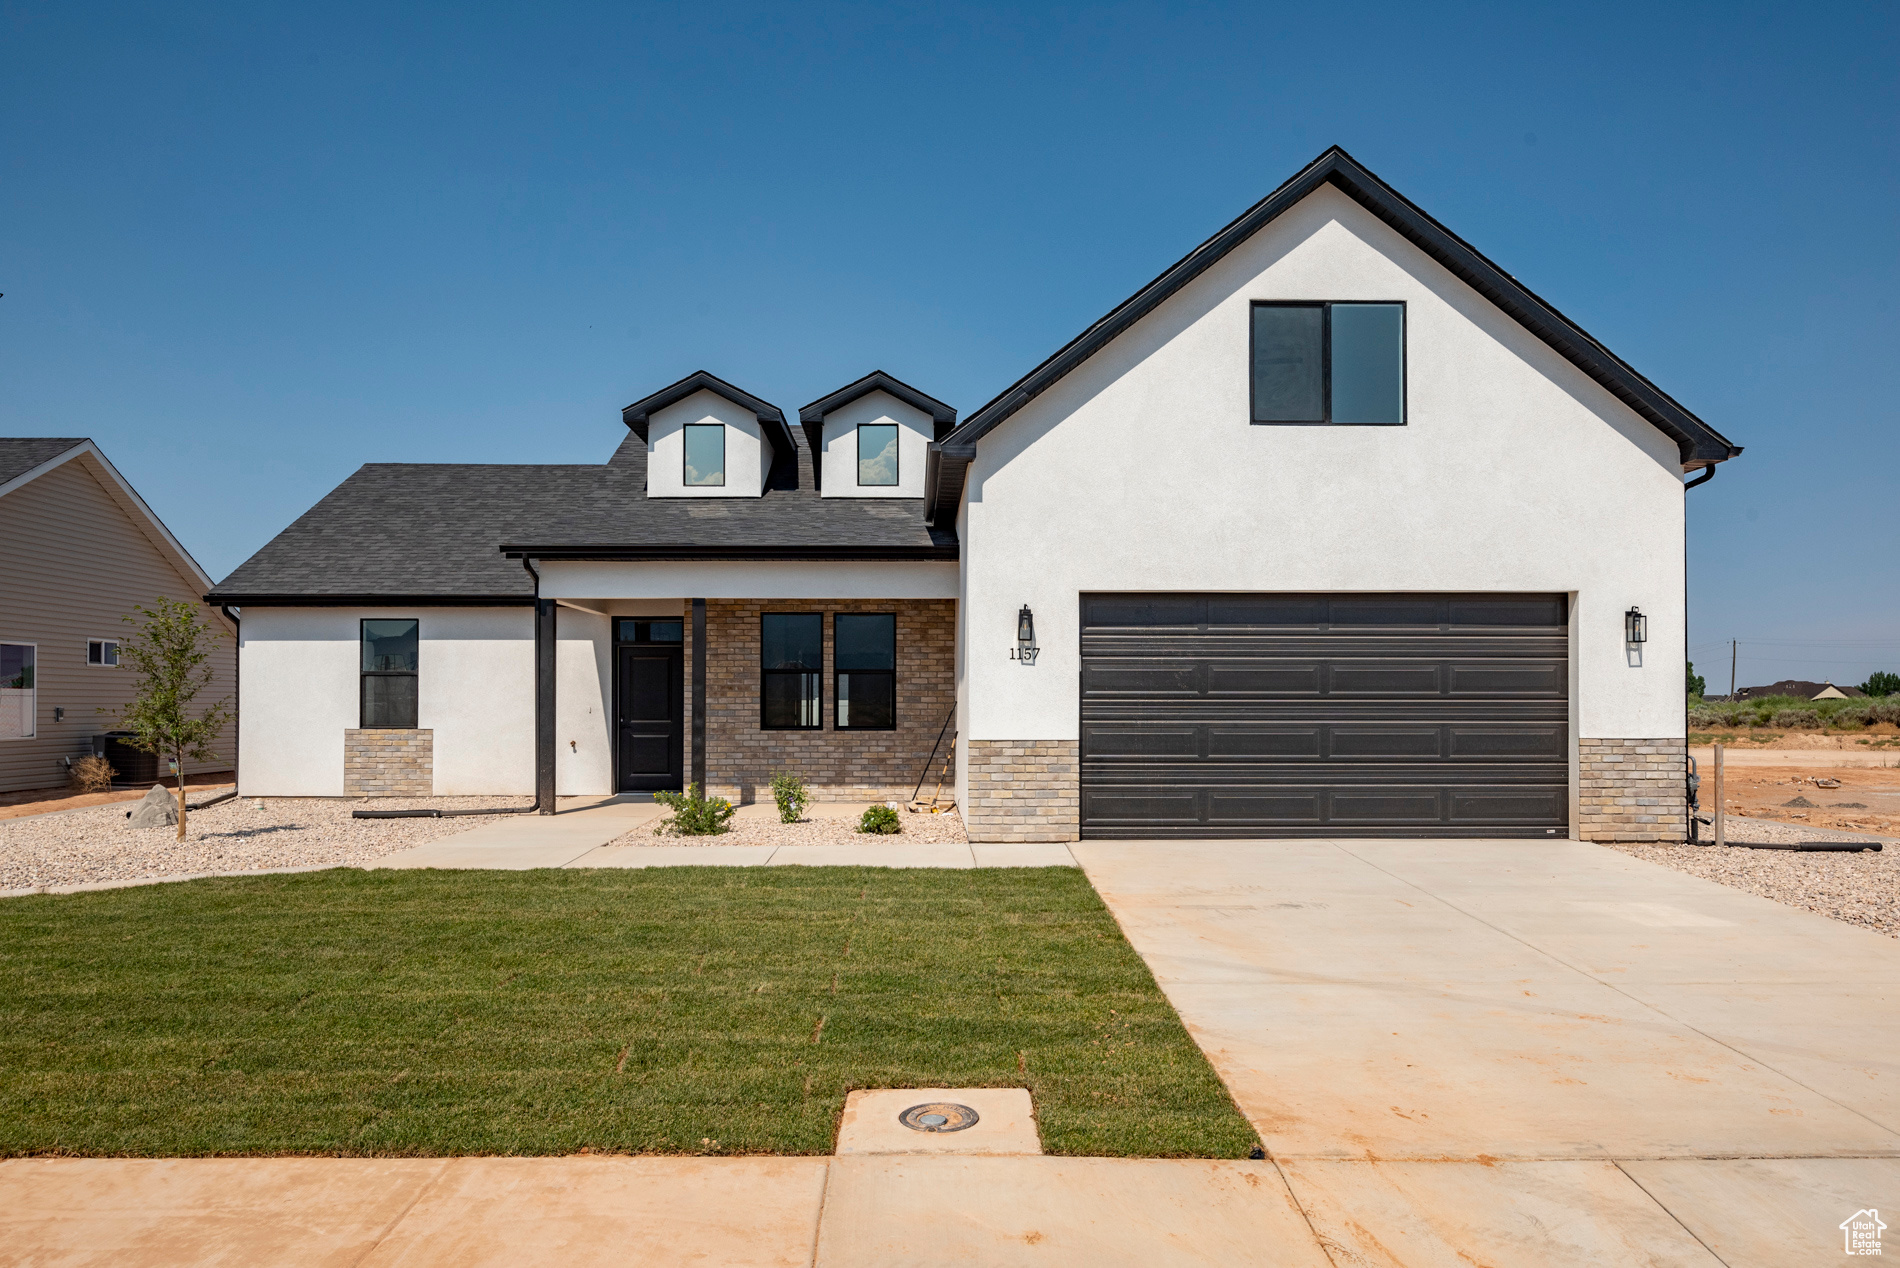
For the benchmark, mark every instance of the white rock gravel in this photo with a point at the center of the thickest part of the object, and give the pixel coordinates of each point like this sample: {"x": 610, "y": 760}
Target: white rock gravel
{"x": 919, "y": 829}
{"x": 1861, "y": 889}
{"x": 95, "y": 844}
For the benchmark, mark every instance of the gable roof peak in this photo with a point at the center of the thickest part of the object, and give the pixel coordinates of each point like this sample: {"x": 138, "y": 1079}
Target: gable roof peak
{"x": 1698, "y": 444}
{"x": 771, "y": 418}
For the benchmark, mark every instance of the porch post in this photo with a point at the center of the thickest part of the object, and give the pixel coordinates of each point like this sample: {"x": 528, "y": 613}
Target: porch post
{"x": 699, "y": 695}
{"x": 544, "y": 705}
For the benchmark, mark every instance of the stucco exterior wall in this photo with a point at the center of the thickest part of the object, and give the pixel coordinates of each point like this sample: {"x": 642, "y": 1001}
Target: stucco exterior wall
{"x": 863, "y": 579}
{"x": 1141, "y": 471}
{"x": 914, "y": 433}
{"x": 299, "y": 670}
{"x": 748, "y": 452}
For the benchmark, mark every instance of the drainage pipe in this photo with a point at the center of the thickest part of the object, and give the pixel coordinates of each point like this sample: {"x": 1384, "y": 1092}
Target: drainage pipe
{"x": 531, "y": 808}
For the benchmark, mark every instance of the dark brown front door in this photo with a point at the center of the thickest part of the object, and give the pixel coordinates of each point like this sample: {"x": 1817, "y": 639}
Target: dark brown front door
{"x": 651, "y": 717}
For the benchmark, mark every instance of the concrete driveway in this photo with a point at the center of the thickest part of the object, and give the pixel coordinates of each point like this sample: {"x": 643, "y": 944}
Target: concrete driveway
{"x": 1530, "y": 1052}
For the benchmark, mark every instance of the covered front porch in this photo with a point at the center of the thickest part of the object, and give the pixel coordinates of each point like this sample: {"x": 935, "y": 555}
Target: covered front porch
{"x": 657, "y": 674}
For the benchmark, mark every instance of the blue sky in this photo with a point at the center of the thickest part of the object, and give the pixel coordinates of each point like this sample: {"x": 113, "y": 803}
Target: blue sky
{"x": 249, "y": 248}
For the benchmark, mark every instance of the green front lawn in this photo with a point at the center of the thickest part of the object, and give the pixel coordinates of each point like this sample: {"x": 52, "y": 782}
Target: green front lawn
{"x": 683, "y": 1010}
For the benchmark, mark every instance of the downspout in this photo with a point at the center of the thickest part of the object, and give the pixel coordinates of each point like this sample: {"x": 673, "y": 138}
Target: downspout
{"x": 533, "y": 806}
{"x": 1692, "y": 829}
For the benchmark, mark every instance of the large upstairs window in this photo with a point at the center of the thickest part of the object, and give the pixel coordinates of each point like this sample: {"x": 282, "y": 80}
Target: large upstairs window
{"x": 1321, "y": 363}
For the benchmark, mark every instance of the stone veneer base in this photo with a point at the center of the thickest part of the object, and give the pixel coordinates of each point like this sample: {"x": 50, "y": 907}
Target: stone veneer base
{"x": 1024, "y": 790}
{"x": 1633, "y": 790}
{"x": 388, "y": 763}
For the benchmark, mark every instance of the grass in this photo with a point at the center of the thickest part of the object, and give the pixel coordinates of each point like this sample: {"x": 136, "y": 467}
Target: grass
{"x": 679, "y": 1010}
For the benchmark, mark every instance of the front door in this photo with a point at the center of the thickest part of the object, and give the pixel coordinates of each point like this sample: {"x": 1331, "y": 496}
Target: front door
{"x": 652, "y": 716}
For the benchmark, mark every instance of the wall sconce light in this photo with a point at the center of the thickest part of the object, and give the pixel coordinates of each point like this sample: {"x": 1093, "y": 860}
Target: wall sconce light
{"x": 1025, "y": 649}
{"x": 1635, "y": 626}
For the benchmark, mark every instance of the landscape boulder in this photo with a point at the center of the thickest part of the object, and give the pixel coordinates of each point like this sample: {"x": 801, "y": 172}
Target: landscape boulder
{"x": 158, "y": 809}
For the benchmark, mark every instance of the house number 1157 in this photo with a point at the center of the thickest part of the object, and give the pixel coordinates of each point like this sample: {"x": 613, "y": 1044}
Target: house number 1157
{"x": 1027, "y": 655}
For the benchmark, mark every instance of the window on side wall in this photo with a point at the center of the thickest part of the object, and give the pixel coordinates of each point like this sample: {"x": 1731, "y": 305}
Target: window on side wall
{"x": 389, "y": 675}
{"x": 877, "y": 454}
{"x": 864, "y": 650}
{"x": 1323, "y": 363}
{"x": 102, "y": 651}
{"x": 705, "y": 455}
{"x": 791, "y": 667}
{"x": 17, "y": 694}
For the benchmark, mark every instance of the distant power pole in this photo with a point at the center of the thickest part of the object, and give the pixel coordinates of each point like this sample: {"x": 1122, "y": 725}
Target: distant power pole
{"x": 1731, "y": 669}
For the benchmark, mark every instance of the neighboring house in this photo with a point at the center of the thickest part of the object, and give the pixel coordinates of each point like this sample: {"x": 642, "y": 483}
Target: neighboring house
{"x": 82, "y": 549}
{"x": 1333, "y": 529}
{"x": 1805, "y": 690}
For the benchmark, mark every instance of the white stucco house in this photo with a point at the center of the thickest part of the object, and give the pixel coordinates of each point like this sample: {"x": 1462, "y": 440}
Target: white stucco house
{"x": 1333, "y": 529}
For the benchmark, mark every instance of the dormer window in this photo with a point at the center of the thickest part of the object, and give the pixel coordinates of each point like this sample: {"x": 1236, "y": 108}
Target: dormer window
{"x": 705, "y": 455}
{"x": 877, "y": 454}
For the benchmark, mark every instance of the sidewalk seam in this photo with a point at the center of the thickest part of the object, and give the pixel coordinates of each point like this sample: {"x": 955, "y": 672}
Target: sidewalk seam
{"x": 818, "y": 1225}
{"x": 1661, "y": 1205}
{"x": 403, "y": 1214}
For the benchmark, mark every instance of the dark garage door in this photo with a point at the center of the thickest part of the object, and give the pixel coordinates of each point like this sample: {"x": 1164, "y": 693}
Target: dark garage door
{"x": 1290, "y": 715}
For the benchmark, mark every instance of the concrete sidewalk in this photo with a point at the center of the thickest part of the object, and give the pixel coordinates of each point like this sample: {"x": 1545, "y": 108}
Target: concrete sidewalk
{"x": 865, "y": 1210}
{"x": 1529, "y": 1052}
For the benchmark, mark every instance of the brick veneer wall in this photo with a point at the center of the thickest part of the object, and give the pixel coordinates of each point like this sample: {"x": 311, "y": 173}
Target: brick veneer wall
{"x": 1024, "y": 790}
{"x": 388, "y": 763}
{"x": 839, "y": 765}
{"x": 1633, "y": 790}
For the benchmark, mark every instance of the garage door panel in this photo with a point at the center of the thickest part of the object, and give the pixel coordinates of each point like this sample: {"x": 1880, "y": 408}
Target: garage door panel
{"x": 1257, "y": 808}
{"x": 1304, "y": 715}
{"x": 1293, "y": 742}
{"x": 1371, "y": 806}
{"x": 1144, "y": 678}
{"x": 1387, "y": 742}
{"x": 1509, "y": 806}
{"x": 1264, "y": 678}
{"x": 1376, "y": 679}
{"x": 1534, "y": 743}
{"x": 1534, "y": 679}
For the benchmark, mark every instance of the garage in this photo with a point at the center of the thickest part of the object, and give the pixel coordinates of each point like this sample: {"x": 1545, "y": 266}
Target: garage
{"x": 1316, "y": 715}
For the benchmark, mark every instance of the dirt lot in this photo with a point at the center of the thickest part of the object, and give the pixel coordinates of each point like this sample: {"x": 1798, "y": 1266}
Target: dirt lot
{"x": 1865, "y": 799}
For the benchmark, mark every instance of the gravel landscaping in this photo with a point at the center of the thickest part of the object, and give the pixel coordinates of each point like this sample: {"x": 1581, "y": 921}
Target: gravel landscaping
{"x": 919, "y": 829}
{"x": 95, "y": 844}
{"x": 1861, "y": 889}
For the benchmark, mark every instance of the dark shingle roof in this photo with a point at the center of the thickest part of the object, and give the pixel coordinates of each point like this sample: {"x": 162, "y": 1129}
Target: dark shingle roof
{"x": 414, "y": 530}
{"x": 20, "y": 454}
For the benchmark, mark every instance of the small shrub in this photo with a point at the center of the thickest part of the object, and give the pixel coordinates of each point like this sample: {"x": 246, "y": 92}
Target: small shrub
{"x": 792, "y": 796}
{"x": 880, "y": 818}
{"x": 1887, "y": 711}
{"x": 1797, "y": 719}
{"x": 92, "y": 773}
{"x": 1703, "y": 715}
{"x": 694, "y": 815}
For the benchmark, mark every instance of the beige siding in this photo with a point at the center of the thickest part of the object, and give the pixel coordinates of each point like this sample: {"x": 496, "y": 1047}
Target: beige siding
{"x": 72, "y": 562}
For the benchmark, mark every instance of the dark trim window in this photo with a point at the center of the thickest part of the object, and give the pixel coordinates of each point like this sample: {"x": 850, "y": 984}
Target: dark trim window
{"x": 1319, "y": 363}
{"x": 102, "y": 651}
{"x": 19, "y": 702}
{"x": 877, "y": 454}
{"x": 389, "y": 675}
{"x": 643, "y": 630}
{"x": 864, "y": 652}
{"x": 792, "y": 669}
{"x": 705, "y": 446}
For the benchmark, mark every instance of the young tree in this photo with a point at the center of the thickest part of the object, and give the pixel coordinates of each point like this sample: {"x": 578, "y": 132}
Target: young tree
{"x": 168, "y": 654}
{"x": 1696, "y": 683}
{"x": 1881, "y": 683}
